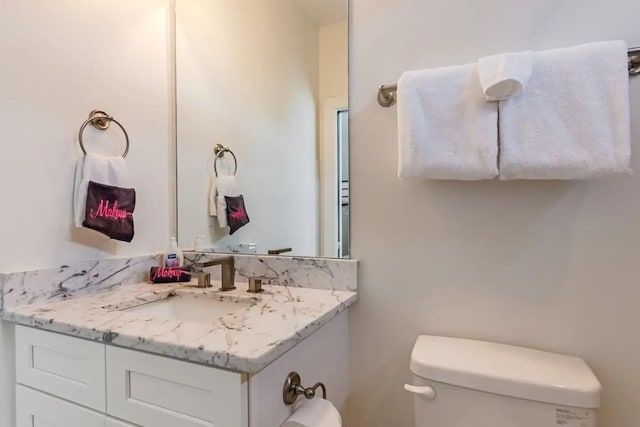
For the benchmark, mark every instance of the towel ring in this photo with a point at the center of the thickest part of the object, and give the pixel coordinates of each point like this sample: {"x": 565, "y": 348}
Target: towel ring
{"x": 219, "y": 151}
{"x": 101, "y": 121}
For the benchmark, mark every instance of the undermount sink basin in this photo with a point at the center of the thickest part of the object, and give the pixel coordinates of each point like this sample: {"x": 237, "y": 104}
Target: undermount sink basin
{"x": 190, "y": 307}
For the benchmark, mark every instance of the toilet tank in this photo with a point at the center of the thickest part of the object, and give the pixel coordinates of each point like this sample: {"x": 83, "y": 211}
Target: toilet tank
{"x": 464, "y": 383}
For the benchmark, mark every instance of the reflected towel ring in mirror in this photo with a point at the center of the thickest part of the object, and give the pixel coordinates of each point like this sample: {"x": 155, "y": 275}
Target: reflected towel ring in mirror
{"x": 219, "y": 151}
{"x": 101, "y": 121}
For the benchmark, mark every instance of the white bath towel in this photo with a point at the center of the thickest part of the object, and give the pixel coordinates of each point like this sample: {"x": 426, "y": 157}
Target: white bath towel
{"x": 504, "y": 75}
{"x": 226, "y": 186}
{"x": 106, "y": 170}
{"x": 573, "y": 121}
{"x": 446, "y": 129}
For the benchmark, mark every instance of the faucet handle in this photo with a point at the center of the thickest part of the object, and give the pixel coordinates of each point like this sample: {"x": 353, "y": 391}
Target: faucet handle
{"x": 204, "y": 279}
{"x": 255, "y": 285}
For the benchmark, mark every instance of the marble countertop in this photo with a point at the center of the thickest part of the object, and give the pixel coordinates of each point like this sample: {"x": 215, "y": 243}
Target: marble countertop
{"x": 264, "y": 326}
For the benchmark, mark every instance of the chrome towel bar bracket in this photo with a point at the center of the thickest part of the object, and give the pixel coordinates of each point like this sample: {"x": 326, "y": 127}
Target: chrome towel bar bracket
{"x": 388, "y": 94}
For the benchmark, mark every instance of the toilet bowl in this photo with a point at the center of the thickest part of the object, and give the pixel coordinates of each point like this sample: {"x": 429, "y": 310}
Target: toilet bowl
{"x": 468, "y": 383}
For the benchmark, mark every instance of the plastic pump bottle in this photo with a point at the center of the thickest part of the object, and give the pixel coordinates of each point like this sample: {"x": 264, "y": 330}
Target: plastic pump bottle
{"x": 174, "y": 256}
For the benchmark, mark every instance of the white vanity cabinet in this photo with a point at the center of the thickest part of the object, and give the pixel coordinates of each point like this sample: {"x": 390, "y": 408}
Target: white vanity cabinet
{"x": 36, "y": 409}
{"x": 157, "y": 391}
{"x": 112, "y": 422}
{"x": 63, "y": 366}
{"x": 64, "y": 381}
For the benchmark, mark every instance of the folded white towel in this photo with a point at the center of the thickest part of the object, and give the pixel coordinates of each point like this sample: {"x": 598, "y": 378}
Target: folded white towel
{"x": 505, "y": 75}
{"x": 226, "y": 186}
{"x": 101, "y": 169}
{"x": 573, "y": 121}
{"x": 446, "y": 129}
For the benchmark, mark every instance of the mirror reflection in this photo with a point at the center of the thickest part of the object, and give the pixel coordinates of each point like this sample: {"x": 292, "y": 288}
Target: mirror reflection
{"x": 261, "y": 100}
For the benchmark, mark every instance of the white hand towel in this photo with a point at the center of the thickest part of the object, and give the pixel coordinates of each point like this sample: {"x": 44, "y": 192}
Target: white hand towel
{"x": 213, "y": 193}
{"x": 446, "y": 129}
{"x": 226, "y": 186}
{"x": 505, "y": 75}
{"x": 101, "y": 169}
{"x": 79, "y": 199}
{"x": 573, "y": 121}
{"x": 314, "y": 413}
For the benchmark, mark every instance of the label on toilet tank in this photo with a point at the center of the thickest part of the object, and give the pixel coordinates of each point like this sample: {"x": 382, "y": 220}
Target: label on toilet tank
{"x": 574, "y": 417}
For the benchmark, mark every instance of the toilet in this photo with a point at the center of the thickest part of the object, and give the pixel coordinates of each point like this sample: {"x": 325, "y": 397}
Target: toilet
{"x": 469, "y": 383}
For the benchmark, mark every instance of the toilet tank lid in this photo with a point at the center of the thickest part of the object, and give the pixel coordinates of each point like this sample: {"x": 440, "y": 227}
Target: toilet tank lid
{"x": 507, "y": 370}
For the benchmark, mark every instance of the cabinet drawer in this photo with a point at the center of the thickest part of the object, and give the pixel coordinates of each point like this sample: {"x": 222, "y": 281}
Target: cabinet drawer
{"x": 156, "y": 391}
{"x": 36, "y": 409}
{"x": 111, "y": 422}
{"x": 71, "y": 368}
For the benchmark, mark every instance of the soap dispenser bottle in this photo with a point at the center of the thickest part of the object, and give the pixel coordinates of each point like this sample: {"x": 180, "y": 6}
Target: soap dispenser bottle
{"x": 173, "y": 258}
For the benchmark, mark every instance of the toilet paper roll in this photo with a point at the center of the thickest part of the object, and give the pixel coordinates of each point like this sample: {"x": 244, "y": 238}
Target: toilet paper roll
{"x": 315, "y": 413}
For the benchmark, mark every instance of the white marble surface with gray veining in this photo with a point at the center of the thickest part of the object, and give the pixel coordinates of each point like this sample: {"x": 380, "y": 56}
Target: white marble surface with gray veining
{"x": 319, "y": 273}
{"x": 264, "y": 326}
{"x": 67, "y": 281}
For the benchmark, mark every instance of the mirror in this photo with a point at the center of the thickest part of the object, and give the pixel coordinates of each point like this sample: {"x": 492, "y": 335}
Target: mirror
{"x": 266, "y": 82}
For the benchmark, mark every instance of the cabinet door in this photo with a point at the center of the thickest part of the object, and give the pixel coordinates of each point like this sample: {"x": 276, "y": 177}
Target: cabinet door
{"x": 155, "y": 391}
{"x": 67, "y": 367}
{"x": 36, "y": 409}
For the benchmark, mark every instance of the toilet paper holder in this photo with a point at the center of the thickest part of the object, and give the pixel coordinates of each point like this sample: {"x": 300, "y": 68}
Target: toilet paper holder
{"x": 293, "y": 388}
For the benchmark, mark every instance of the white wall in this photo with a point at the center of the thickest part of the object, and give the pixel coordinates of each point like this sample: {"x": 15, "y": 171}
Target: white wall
{"x": 61, "y": 60}
{"x": 247, "y": 76}
{"x": 552, "y": 265}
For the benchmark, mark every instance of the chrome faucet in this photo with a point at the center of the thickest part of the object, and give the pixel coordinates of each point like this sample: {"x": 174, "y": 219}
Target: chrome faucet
{"x": 228, "y": 272}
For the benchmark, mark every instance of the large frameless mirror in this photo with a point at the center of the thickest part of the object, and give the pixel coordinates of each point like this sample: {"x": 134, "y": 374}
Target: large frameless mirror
{"x": 262, "y": 126}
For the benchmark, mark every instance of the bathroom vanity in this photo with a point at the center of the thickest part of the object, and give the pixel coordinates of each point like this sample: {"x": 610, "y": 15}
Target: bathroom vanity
{"x": 176, "y": 356}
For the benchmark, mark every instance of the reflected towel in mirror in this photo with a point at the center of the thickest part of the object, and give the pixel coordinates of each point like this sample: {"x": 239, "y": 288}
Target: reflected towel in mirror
{"x": 226, "y": 186}
{"x": 223, "y": 169}
{"x": 237, "y": 216}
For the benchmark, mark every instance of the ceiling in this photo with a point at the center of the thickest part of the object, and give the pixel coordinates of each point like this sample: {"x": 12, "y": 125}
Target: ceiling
{"x": 325, "y": 12}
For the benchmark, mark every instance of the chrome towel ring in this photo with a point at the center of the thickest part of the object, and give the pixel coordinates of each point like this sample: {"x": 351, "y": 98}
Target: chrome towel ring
{"x": 101, "y": 121}
{"x": 219, "y": 151}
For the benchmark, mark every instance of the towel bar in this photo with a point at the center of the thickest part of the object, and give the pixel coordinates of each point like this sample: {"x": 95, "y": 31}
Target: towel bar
{"x": 388, "y": 94}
